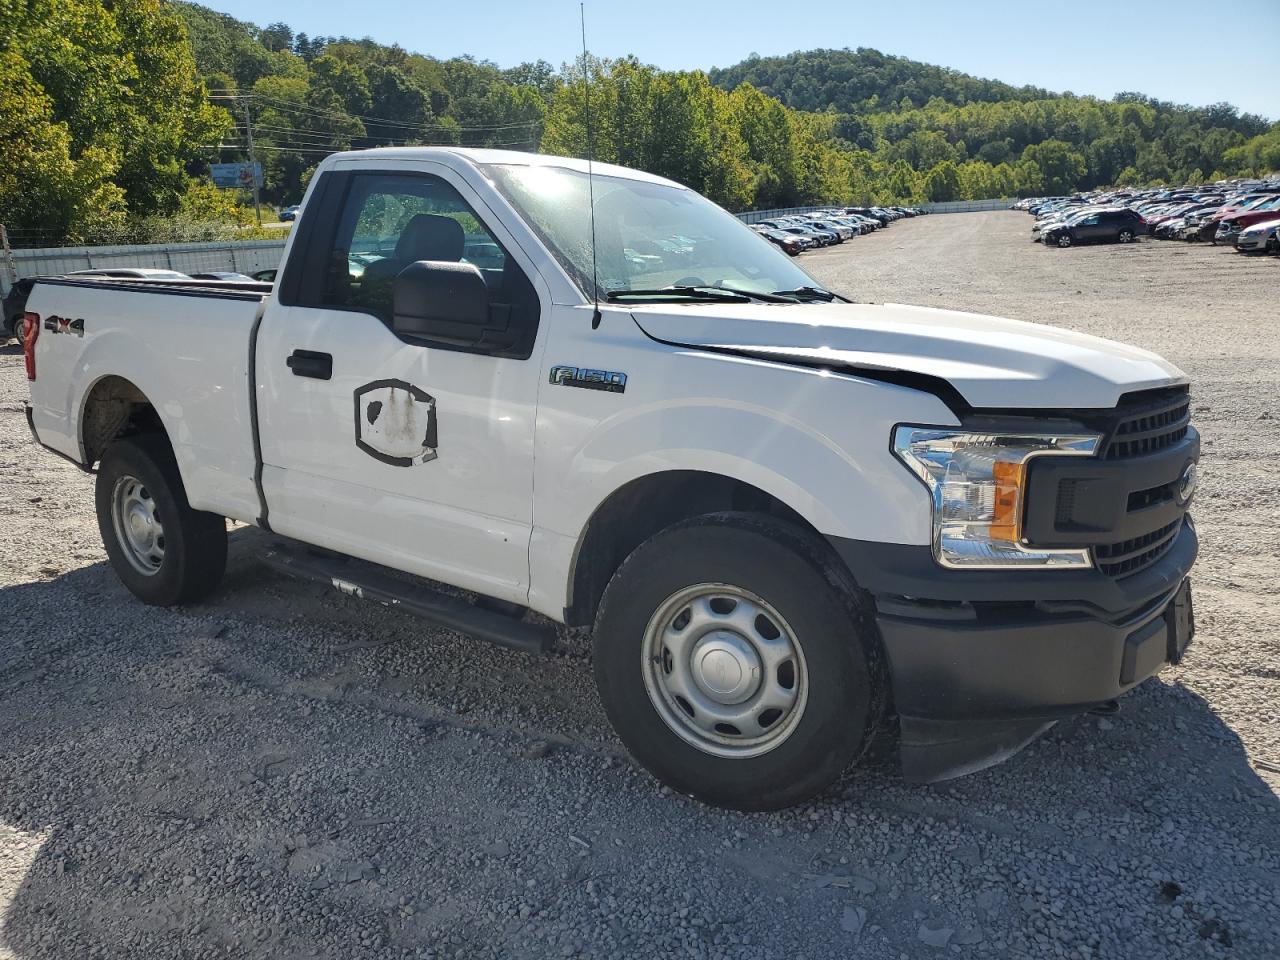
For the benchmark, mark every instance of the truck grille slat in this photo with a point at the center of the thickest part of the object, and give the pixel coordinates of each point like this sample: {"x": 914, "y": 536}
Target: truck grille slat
{"x": 1150, "y": 427}
{"x": 1129, "y": 556}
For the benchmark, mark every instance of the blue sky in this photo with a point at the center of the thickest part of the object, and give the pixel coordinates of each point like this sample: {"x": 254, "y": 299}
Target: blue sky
{"x": 1187, "y": 52}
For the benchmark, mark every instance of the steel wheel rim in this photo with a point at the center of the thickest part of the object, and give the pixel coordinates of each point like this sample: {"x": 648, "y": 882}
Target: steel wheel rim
{"x": 138, "y": 530}
{"x": 724, "y": 671}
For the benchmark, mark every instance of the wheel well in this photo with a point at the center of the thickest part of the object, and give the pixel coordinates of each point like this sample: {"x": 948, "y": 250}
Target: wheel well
{"x": 115, "y": 408}
{"x": 638, "y": 510}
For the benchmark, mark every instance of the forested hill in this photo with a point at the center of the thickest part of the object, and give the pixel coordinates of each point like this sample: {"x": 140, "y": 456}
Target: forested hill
{"x": 863, "y": 80}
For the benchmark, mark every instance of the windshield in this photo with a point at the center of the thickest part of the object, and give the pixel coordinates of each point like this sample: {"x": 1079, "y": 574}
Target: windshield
{"x": 648, "y": 235}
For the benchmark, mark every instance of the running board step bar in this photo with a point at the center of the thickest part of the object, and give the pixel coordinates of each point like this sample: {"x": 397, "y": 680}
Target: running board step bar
{"x": 359, "y": 578}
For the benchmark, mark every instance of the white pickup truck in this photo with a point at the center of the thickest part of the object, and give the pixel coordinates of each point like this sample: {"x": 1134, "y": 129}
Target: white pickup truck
{"x": 790, "y": 518}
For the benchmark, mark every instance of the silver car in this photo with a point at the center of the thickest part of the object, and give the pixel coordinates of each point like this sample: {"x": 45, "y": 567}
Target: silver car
{"x": 1259, "y": 238}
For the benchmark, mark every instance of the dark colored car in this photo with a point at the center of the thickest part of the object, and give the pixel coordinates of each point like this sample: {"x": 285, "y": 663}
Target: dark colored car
{"x": 790, "y": 243}
{"x": 289, "y": 213}
{"x": 1104, "y": 226}
{"x": 15, "y": 305}
{"x": 873, "y": 212}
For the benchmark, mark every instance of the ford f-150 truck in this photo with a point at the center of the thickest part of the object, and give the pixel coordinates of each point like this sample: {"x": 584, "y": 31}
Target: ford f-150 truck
{"x": 791, "y": 519}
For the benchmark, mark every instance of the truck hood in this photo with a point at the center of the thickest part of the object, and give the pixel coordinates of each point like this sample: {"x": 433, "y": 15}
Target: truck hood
{"x": 991, "y": 362}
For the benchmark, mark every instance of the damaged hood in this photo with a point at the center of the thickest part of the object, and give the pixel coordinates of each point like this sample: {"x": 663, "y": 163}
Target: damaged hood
{"x": 991, "y": 362}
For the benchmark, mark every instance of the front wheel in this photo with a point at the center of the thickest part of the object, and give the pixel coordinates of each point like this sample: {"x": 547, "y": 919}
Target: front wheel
{"x": 1064, "y": 240}
{"x": 165, "y": 552}
{"x": 737, "y": 664}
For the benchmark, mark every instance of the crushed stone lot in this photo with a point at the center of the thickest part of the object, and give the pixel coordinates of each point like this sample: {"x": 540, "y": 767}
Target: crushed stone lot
{"x": 286, "y": 772}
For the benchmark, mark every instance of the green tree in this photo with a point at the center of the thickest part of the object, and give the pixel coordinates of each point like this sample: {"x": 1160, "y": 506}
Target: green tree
{"x": 943, "y": 182}
{"x": 118, "y": 85}
{"x": 1061, "y": 168}
{"x": 902, "y": 183}
{"x": 45, "y": 191}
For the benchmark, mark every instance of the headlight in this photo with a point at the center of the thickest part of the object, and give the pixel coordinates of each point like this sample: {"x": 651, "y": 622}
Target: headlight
{"x": 978, "y": 484}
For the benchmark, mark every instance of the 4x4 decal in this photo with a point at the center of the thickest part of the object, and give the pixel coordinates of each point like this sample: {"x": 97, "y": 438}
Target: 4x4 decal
{"x": 396, "y": 422}
{"x": 64, "y": 325}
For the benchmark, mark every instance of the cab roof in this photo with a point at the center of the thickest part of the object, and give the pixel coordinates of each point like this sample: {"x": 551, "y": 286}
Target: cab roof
{"x": 480, "y": 156}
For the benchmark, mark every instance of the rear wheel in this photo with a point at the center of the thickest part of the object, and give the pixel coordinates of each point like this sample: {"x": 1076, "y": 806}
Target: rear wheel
{"x": 165, "y": 552}
{"x": 1126, "y": 236}
{"x": 736, "y": 664}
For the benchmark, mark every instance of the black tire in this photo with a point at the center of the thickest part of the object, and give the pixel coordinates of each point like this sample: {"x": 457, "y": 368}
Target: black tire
{"x": 847, "y": 685}
{"x": 15, "y": 329}
{"x": 1063, "y": 240}
{"x": 1125, "y": 236}
{"x": 194, "y": 542}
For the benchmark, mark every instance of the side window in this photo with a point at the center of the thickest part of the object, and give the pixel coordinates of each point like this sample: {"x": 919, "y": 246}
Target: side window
{"x": 1089, "y": 221}
{"x": 389, "y": 221}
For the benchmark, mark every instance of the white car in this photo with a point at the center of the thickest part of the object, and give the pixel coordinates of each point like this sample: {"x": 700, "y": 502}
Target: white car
{"x": 783, "y": 513}
{"x": 1259, "y": 238}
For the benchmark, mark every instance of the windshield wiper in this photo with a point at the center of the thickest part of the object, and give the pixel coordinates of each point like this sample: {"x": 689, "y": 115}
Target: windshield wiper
{"x": 807, "y": 293}
{"x": 703, "y": 294}
{"x": 707, "y": 294}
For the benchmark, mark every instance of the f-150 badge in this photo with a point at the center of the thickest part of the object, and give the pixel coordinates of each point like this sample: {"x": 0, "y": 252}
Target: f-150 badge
{"x": 396, "y": 423}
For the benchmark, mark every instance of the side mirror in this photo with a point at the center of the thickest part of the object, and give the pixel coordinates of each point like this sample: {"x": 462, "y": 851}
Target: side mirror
{"x": 442, "y": 301}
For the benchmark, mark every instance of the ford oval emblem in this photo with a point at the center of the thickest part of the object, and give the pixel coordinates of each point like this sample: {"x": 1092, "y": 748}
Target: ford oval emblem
{"x": 1187, "y": 483}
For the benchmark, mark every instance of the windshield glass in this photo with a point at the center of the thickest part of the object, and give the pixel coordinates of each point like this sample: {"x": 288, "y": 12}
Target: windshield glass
{"x": 648, "y": 235}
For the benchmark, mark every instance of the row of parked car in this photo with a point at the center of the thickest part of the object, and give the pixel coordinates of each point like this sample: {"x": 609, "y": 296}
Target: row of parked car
{"x": 1244, "y": 214}
{"x": 15, "y": 301}
{"x": 797, "y": 233}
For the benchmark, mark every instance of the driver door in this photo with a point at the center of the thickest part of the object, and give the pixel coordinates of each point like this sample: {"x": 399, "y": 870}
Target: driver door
{"x": 374, "y": 444}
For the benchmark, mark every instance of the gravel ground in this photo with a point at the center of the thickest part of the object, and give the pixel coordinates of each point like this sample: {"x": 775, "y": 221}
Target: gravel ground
{"x": 284, "y": 772}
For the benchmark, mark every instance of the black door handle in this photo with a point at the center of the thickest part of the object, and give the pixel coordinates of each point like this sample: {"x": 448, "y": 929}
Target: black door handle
{"x": 309, "y": 363}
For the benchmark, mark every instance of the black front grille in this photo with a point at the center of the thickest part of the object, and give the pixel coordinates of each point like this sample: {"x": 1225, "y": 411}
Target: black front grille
{"x": 1123, "y": 504}
{"x": 1149, "y": 424}
{"x": 1129, "y": 556}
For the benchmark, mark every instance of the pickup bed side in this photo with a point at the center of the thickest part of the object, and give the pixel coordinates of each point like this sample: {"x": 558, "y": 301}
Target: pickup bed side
{"x": 180, "y": 351}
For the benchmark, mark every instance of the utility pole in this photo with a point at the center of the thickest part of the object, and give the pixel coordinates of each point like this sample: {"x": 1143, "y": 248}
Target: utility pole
{"x": 253, "y": 160}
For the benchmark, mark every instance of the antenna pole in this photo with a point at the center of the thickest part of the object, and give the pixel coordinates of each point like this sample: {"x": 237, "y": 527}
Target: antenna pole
{"x": 591, "y": 187}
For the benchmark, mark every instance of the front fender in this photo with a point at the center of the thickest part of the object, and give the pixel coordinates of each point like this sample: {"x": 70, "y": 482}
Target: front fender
{"x": 820, "y": 446}
{"x": 827, "y": 485}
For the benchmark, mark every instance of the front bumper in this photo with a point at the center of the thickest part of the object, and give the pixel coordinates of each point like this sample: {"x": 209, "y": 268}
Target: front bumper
{"x": 982, "y": 662}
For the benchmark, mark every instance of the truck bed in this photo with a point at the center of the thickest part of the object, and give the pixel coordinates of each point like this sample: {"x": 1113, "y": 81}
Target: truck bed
{"x": 185, "y": 345}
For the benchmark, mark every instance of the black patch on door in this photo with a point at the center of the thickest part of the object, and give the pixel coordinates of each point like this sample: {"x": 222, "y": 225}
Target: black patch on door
{"x": 395, "y": 422}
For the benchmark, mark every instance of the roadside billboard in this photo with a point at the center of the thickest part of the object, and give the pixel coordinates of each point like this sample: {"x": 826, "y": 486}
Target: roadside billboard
{"x": 236, "y": 175}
